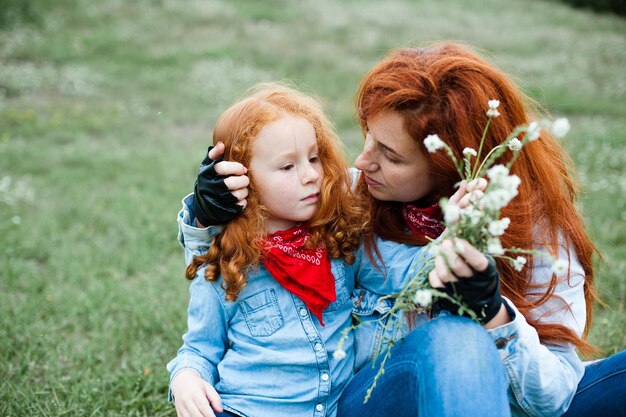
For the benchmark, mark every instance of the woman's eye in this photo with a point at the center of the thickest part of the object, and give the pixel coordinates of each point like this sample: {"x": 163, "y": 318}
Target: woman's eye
{"x": 392, "y": 159}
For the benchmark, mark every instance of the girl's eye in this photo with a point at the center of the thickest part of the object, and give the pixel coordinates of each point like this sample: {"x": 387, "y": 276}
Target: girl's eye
{"x": 286, "y": 167}
{"x": 314, "y": 159}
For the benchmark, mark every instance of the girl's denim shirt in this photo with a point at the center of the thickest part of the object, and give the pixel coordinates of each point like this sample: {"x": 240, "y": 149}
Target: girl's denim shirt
{"x": 542, "y": 379}
{"x": 264, "y": 353}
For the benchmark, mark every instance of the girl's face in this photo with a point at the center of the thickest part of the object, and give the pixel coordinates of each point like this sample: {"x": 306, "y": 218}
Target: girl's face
{"x": 287, "y": 171}
{"x": 394, "y": 167}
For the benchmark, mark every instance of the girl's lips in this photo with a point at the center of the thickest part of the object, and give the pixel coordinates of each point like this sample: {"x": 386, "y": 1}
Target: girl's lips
{"x": 371, "y": 182}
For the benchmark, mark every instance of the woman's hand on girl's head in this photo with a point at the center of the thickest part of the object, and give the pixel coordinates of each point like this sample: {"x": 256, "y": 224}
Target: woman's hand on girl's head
{"x": 193, "y": 396}
{"x": 237, "y": 181}
{"x": 221, "y": 189}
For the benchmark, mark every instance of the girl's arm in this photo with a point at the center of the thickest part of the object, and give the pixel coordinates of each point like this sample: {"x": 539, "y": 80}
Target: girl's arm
{"x": 206, "y": 339}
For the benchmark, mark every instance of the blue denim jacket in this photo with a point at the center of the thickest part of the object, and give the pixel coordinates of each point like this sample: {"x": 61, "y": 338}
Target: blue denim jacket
{"x": 542, "y": 379}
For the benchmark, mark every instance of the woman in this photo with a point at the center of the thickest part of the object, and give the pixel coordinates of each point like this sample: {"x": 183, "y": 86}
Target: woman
{"x": 539, "y": 319}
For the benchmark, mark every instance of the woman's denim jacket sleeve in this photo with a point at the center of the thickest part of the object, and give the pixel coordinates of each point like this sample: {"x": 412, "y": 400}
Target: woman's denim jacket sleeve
{"x": 542, "y": 378}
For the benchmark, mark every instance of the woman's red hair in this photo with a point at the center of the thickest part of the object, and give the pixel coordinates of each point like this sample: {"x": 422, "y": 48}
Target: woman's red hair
{"x": 444, "y": 89}
{"x": 337, "y": 224}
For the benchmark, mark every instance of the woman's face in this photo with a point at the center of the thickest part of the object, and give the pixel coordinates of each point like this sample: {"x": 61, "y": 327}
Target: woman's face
{"x": 394, "y": 167}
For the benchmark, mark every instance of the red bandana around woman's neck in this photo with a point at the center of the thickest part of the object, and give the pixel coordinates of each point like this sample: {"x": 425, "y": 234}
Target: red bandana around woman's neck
{"x": 424, "y": 221}
{"x": 304, "y": 272}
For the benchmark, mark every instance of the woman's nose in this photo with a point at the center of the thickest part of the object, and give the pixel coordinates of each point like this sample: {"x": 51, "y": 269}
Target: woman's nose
{"x": 365, "y": 161}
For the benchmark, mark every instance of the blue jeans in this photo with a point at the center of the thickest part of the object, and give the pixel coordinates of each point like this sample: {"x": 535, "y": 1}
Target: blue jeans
{"x": 602, "y": 391}
{"x": 448, "y": 367}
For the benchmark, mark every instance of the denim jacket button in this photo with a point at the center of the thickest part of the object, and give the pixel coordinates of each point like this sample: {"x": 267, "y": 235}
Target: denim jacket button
{"x": 303, "y": 312}
{"x": 501, "y": 342}
{"x": 318, "y": 346}
{"x": 319, "y": 407}
{"x": 325, "y": 377}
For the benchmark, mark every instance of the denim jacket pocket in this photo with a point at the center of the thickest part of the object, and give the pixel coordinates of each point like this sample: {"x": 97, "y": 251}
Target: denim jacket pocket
{"x": 341, "y": 289}
{"x": 262, "y": 313}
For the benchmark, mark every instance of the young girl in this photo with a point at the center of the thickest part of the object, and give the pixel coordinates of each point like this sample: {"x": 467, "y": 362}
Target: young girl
{"x": 270, "y": 298}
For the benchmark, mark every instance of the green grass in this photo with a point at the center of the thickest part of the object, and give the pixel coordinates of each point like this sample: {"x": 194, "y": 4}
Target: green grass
{"x": 106, "y": 109}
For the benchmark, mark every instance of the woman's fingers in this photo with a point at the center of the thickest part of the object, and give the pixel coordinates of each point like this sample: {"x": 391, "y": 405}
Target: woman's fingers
{"x": 470, "y": 198}
{"x": 217, "y": 151}
{"x": 478, "y": 184}
{"x": 472, "y": 256}
{"x": 456, "y": 260}
{"x": 238, "y": 187}
{"x": 227, "y": 168}
{"x": 456, "y": 197}
{"x": 235, "y": 183}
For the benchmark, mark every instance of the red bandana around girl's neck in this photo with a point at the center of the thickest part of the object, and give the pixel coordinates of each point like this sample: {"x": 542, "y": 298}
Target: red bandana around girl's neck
{"x": 424, "y": 221}
{"x": 304, "y": 272}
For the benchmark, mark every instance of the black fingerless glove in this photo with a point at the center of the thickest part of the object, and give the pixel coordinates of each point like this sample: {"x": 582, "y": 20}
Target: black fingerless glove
{"x": 480, "y": 293}
{"x": 213, "y": 203}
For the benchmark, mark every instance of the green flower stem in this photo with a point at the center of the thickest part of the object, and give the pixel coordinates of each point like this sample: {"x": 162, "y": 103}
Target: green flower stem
{"x": 480, "y": 147}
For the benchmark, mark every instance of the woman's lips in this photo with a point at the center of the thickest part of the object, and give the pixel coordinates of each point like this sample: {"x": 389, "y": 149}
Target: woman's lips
{"x": 371, "y": 182}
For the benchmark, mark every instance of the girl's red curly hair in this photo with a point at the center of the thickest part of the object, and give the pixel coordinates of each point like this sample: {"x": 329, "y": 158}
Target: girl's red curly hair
{"x": 337, "y": 224}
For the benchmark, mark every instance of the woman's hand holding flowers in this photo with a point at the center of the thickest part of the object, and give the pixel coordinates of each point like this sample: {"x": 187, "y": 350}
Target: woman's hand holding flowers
{"x": 466, "y": 274}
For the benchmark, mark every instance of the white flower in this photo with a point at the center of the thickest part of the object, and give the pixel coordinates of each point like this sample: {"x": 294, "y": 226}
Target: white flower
{"x": 560, "y": 266}
{"x": 493, "y": 108}
{"x": 470, "y": 151}
{"x": 533, "y": 132}
{"x": 423, "y": 298}
{"x": 497, "y": 172}
{"x": 515, "y": 144}
{"x": 560, "y": 127}
{"x": 451, "y": 213}
{"x": 433, "y": 143}
{"x": 493, "y": 113}
{"x": 493, "y": 104}
{"x": 519, "y": 262}
{"x": 496, "y": 199}
{"x": 473, "y": 214}
{"x": 510, "y": 183}
{"x": 494, "y": 247}
{"x": 497, "y": 227}
{"x": 339, "y": 354}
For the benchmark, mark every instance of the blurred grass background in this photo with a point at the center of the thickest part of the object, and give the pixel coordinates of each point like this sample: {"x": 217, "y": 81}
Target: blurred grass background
{"x": 106, "y": 110}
